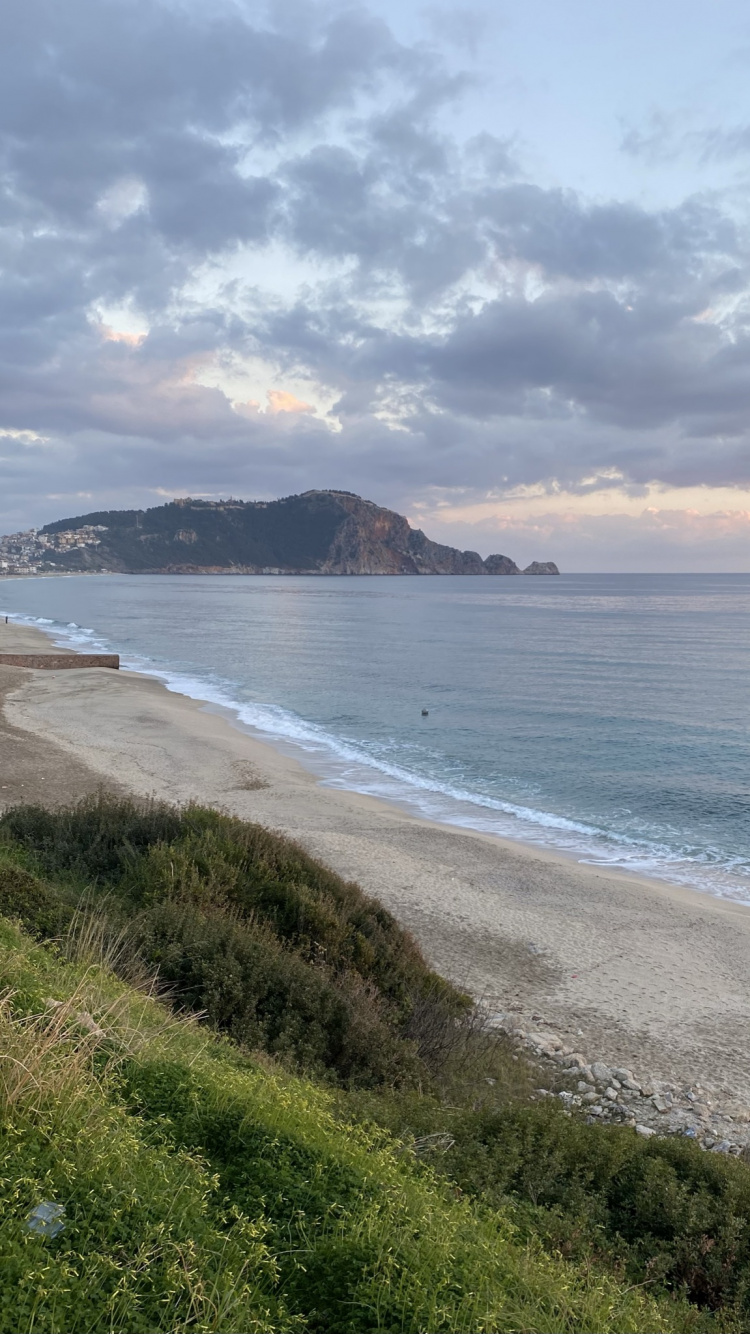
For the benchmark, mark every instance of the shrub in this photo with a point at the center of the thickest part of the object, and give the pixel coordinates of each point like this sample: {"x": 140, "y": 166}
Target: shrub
{"x": 242, "y": 925}
{"x": 367, "y": 1239}
{"x": 282, "y": 955}
{"x": 660, "y": 1210}
{"x": 663, "y": 1206}
{"x": 264, "y": 995}
{"x": 148, "y": 852}
{"x": 24, "y": 896}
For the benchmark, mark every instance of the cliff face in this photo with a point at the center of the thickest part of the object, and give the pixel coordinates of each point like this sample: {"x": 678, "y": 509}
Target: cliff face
{"x": 319, "y": 532}
{"x": 373, "y": 540}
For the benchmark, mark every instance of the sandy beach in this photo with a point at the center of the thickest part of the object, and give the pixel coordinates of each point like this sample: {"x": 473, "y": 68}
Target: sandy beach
{"x": 630, "y": 971}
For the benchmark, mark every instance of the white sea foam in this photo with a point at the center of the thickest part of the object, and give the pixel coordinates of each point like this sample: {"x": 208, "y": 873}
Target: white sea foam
{"x": 345, "y": 763}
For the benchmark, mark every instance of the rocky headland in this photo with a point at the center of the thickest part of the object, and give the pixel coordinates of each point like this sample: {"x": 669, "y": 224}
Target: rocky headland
{"x": 318, "y": 532}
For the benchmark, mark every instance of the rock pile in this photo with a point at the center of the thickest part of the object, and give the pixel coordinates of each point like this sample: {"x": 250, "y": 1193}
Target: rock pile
{"x": 615, "y": 1095}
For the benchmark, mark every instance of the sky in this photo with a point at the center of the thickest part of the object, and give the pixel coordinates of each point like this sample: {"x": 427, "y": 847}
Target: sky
{"x": 488, "y": 265}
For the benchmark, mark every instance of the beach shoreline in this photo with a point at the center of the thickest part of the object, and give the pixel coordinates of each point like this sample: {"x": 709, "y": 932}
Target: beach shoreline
{"x": 635, "y": 972}
{"x": 356, "y": 775}
{"x": 33, "y": 639}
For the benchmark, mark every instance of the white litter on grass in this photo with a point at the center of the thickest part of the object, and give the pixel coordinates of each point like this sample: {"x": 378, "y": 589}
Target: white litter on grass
{"x": 47, "y": 1219}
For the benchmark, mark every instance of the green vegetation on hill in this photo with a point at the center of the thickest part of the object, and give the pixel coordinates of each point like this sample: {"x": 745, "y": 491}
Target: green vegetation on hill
{"x": 277, "y": 950}
{"x": 204, "y": 1190}
{"x": 332, "y": 1143}
{"x": 334, "y": 532}
{"x": 296, "y": 532}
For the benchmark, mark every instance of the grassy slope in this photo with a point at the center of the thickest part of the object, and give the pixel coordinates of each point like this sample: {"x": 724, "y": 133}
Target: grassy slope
{"x": 205, "y": 1190}
{"x": 415, "y": 1187}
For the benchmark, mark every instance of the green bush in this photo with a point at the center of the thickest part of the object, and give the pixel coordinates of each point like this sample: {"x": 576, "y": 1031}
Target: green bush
{"x": 242, "y": 925}
{"x": 664, "y": 1207}
{"x": 147, "y": 852}
{"x": 660, "y": 1210}
{"x": 265, "y": 996}
{"x": 368, "y": 1240}
{"x": 42, "y": 910}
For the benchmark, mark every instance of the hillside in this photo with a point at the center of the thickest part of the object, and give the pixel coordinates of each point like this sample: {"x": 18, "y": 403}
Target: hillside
{"x": 319, "y": 532}
{"x": 226, "y": 1172}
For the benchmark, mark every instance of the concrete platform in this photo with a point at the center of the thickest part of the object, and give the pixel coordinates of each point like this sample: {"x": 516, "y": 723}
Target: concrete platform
{"x": 53, "y": 662}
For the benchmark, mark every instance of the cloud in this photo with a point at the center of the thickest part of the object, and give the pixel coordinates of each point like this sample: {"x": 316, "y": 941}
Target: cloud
{"x": 667, "y": 540}
{"x": 121, "y": 335}
{"x": 661, "y": 140}
{"x": 281, "y": 401}
{"x": 203, "y": 203}
{"x": 720, "y": 144}
{"x": 25, "y": 437}
{"x": 665, "y": 139}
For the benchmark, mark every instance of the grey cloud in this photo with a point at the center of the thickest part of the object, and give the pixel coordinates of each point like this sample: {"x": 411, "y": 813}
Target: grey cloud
{"x": 591, "y": 352}
{"x": 316, "y": 129}
{"x": 660, "y": 141}
{"x": 554, "y": 229}
{"x": 100, "y": 90}
{"x": 342, "y": 205}
{"x": 639, "y": 365}
{"x": 197, "y": 197}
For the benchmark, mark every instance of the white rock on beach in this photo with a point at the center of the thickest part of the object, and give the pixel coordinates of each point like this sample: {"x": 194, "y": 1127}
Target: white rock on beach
{"x": 601, "y": 1072}
{"x": 612, "y": 1094}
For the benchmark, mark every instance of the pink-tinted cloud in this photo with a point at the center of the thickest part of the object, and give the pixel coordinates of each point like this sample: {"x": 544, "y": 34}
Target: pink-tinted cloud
{"x": 111, "y": 335}
{"x": 670, "y": 540}
{"x": 279, "y": 400}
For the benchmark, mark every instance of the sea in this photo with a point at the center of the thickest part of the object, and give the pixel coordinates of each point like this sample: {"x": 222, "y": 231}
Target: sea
{"x": 603, "y": 716}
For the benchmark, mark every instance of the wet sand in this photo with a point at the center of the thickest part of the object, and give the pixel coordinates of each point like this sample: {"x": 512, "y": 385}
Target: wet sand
{"x": 33, "y": 768}
{"x": 630, "y": 971}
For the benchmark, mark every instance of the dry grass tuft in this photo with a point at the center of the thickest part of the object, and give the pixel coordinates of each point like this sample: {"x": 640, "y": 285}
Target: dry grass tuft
{"x": 46, "y": 1059}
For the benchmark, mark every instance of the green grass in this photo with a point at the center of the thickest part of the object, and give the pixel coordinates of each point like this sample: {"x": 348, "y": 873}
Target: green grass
{"x": 149, "y": 1242}
{"x": 204, "y": 1190}
{"x": 332, "y": 1143}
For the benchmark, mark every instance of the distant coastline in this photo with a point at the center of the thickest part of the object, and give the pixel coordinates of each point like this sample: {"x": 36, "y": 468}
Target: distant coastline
{"x": 318, "y": 532}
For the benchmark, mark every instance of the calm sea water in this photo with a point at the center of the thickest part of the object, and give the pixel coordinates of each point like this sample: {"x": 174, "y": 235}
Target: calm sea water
{"x": 606, "y": 715}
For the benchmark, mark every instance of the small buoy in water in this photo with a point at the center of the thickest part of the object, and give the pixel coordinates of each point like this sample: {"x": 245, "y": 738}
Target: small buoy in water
{"x": 425, "y": 713}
